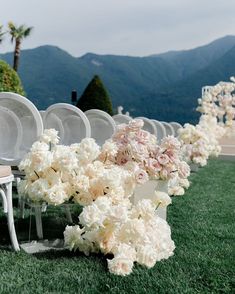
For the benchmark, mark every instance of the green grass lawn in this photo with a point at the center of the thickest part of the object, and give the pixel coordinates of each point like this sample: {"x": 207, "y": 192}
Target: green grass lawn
{"x": 203, "y": 228}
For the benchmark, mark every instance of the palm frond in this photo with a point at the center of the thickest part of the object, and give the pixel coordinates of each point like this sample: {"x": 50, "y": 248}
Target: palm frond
{"x": 18, "y": 32}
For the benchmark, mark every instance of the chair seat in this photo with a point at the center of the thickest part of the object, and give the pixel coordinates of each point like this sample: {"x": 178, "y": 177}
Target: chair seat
{"x": 5, "y": 171}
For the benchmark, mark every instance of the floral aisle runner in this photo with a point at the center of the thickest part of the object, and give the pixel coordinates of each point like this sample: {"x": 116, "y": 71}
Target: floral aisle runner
{"x": 120, "y": 185}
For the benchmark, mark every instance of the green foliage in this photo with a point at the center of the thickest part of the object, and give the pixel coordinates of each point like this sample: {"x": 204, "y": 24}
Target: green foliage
{"x": 9, "y": 79}
{"x": 95, "y": 96}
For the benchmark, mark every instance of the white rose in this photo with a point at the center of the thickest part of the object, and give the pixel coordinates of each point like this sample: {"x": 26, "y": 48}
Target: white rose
{"x": 91, "y": 216}
{"x": 120, "y": 265}
{"x": 144, "y": 208}
{"x": 125, "y": 250}
{"x": 162, "y": 199}
{"x": 146, "y": 255}
{"x": 72, "y": 236}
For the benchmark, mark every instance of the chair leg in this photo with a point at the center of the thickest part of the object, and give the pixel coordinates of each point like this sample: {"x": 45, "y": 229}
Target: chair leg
{"x": 11, "y": 225}
{"x": 21, "y": 206}
{"x": 68, "y": 214}
{"x": 21, "y": 202}
{"x": 4, "y": 199}
{"x": 38, "y": 218}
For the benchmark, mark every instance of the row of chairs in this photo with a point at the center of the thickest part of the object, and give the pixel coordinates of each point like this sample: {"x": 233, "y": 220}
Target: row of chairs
{"x": 21, "y": 124}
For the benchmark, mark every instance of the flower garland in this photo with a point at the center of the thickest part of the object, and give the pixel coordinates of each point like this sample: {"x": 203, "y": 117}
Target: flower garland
{"x": 102, "y": 180}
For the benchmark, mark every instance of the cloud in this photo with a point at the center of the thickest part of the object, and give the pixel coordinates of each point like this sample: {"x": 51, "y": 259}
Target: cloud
{"x": 130, "y": 27}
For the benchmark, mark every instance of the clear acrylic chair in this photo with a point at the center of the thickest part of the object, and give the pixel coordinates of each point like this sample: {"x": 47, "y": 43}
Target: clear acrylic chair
{"x": 161, "y": 132}
{"x": 71, "y": 123}
{"x": 102, "y": 125}
{"x": 148, "y": 125}
{"x": 176, "y": 126}
{"x": 121, "y": 119}
{"x": 169, "y": 129}
{"x": 20, "y": 126}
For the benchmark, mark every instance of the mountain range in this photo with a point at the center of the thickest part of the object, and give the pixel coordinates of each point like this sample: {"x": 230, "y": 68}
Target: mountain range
{"x": 163, "y": 86}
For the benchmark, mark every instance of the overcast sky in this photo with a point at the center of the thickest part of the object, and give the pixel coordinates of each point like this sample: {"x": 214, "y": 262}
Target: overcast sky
{"x": 123, "y": 27}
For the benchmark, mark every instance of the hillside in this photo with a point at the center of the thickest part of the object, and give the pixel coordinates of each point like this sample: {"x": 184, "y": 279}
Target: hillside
{"x": 164, "y": 86}
{"x": 188, "y": 90}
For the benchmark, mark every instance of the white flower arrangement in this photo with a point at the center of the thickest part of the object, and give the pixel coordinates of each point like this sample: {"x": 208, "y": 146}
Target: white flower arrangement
{"x": 219, "y": 101}
{"x": 56, "y": 173}
{"x": 131, "y": 234}
{"x": 197, "y": 144}
{"x": 137, "y": 151}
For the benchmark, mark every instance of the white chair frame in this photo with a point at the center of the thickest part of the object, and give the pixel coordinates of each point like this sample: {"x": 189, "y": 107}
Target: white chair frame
{"x": 6, "y": 194}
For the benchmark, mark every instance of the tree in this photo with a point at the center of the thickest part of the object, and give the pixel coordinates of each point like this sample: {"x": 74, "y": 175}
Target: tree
{"x": 95, "y": 96}
{"x": 9, "y": 79}
{"x": 17, "y": 35}
{"x": 1, "y": 33}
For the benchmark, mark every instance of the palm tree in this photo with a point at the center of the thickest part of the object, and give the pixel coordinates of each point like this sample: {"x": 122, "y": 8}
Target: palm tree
{"x": 1, "y": 33}
{"x": 17, "y": 34}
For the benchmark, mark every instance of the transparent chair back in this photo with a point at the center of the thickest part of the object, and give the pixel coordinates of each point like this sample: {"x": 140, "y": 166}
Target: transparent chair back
{"x": 102, "y": 125}
{"x": 70, "y": 122}
{"x": 176, "y": 126}
{"x": 148, "y": 125}
{"x": 20, "y": 124}
{"x": 168, "y": 128}
{"x": 42, "y": 113}
{"x": 121, "y": 119}
{"x": 161, "y": 132}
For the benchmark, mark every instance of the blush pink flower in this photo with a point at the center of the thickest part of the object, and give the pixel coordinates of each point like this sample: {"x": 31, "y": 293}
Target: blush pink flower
{"x": 153, "y": 165}
{"x": 135, "y": 125}
{"x": 163, "y": 159}
{"x": 141, "y": 176}
{"x": 183, "y": 169}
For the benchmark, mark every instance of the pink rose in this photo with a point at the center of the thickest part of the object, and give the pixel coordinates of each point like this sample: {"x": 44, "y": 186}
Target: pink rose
{"x": 163, "y": 159}
{"x": 123, "y": 156}
{"x": 141, "y": 176}
{"x": 170, "y": 142}
{"x": 183, "y": 169}
{"x": 142, "y": 136}
{"x": 153, "y": 165}
{"x": 135, "y": 125}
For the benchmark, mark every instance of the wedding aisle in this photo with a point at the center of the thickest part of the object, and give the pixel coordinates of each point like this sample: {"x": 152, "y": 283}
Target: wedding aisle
{"x": 202, "y": 224}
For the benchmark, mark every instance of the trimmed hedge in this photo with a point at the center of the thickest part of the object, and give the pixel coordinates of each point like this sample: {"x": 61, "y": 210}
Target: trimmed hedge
{"x": 95, "y": 96}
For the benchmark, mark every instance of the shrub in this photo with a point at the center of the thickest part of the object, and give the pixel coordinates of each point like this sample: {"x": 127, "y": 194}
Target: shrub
{"x": 95, "y": 96}
{"x": 9, "y": 79}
